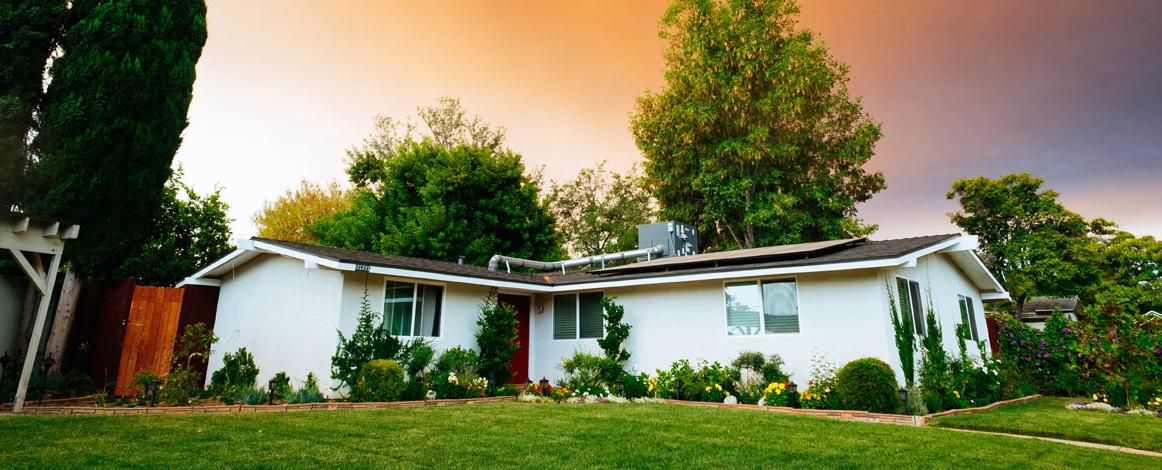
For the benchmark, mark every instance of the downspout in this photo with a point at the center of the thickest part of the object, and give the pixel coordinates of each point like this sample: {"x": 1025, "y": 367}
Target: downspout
{"x": 509, "y": 261}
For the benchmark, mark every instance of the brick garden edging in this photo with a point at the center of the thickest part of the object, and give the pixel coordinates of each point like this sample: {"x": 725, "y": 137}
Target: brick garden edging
{"x": 325, "y": 406}
{"x": 855, "y": 415}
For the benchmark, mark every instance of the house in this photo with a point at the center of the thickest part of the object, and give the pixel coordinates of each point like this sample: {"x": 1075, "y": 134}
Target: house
{"x": 284, "y": 302}
{"x": 1038, "y": 309}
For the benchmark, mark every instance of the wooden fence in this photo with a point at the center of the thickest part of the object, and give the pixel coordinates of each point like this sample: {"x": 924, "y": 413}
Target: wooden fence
{"x": 149, "y": 335}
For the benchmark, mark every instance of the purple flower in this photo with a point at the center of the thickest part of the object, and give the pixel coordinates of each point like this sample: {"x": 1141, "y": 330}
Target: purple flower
{"x": 1157, "y": 352}
{"x": 1066, "y": 330}
{"x": 1022, "y": 342}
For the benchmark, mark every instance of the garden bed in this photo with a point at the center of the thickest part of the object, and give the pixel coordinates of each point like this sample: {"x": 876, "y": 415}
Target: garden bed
{"x": 323, "y": 406}
{"x": 1049, "y": 417}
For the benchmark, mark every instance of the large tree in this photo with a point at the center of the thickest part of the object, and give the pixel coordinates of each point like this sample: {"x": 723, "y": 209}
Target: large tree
{"x": 754, "y": 138}
{"x": 1028, "y": 239}
{"x": 599, "y": 210}
{"x": 1131, "y": 277}
{"x": 293, "y": 215}
{"x": 448, "y": 192}
{"x": 111, "y": 121}
{"x": 190, "y": 231}
{"x": 29, "y": 30}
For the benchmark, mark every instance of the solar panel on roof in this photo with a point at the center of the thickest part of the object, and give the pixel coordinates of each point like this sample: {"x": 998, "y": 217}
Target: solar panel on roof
{"x": 730, "y": 257}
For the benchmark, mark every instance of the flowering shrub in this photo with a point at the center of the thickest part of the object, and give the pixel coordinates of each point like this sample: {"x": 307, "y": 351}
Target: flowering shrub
{"x": 379, "y": 380}
{"x": 777, "y": 394}
{"x": 811, "y": 400}
{"x": 715, "y": 393}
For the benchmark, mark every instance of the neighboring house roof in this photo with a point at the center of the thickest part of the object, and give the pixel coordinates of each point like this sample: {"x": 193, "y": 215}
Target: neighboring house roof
{"x": 1040, "y": 308}
{"x": 840, "y": 255}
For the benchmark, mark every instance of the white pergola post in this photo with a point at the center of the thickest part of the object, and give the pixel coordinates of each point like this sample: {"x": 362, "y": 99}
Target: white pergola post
{"x": 24, "y": 236}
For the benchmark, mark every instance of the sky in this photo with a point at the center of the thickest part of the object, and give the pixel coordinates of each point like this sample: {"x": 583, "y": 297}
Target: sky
{"x": 1067, "y": 90}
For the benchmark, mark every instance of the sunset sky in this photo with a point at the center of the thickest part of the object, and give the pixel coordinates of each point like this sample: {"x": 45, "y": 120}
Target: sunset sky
{"x": 1067, "y": 90}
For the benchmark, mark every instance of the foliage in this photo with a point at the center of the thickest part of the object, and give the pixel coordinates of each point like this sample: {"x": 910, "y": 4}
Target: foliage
{"x": 455, "y": 368}
{"x": 752, "y": 360}
{"x": 369, "y": 341}
{"x": 189, "y": 231}
{"x": 379, "y": 380}
{"x": 178, "y": 385}
{"x": 905, "y": 337}
{"x": 141, "y": 382}
{"x": 868, "y": 384}
{"x": 914, "y": 405}
{"x": 496, "y": 338}
{"x": 454, "y": 192}
{"x": 823, "y": 383}
{"x": 613, "y": 344}
{"x": 1131, "y": 278}
{"x": 250, "y": 395}
{"x": 635, "y": 386}
{"x": 416, "y": 356}
{"x": 1032, "y": 243}
{"x": 309, "y": 393}
{"x": 111, "y": 121}
{"x": 583, "y": 369}
{"x": 934, "y": 368}
{"x": 754, "y": 139}
{"x": 194, "y": 343}
{"x": 599, "y": 211}
{"x": 29, "y": 31}
{"x": 765, "y": 370}
{"x": 238, "y": 372}
{"x": 282, "y": 387}
{"x": 812, "y": 399}
{"x": 293, "y": 215}
{"x": 777, "y": 394}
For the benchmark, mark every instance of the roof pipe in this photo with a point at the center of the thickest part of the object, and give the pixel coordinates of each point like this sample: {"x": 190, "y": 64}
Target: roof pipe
{"x": 509, "y": 261}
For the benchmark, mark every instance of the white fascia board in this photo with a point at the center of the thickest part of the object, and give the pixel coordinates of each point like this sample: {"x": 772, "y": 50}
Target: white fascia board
{"x": 430, "y": 276}
{"x": 243, "y": 247}
{"x": 199, "y": 281}
{"x": 995, "y": 297}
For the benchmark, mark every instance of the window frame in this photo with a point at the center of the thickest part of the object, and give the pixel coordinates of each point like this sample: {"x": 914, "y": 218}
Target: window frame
{"x": 758, "y": 282}
{"x": 969, "y": 315}
{"x": 415, "y": 293}
{"x": 919, "y": 327}
{"x": 576, "y": 316}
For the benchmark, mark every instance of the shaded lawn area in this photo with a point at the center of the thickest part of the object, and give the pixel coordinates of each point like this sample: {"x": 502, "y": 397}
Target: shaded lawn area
{"x": 1048, "y": 417}
{"x": 520, "y": 434}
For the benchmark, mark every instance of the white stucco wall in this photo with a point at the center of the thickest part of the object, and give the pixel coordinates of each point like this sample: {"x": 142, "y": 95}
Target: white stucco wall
{"x": 941, "y": 282}
{"x": 281, "y": 312}
{"x": 840, "y": 315}
{"x": 11, "y": 298}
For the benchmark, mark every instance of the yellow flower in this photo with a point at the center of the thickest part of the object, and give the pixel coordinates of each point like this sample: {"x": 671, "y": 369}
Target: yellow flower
{"x": 954, "y": 392}
{"x": 719, "y": 387}
{"x": 707, "y": 388}
{"x": 728, "y": 394}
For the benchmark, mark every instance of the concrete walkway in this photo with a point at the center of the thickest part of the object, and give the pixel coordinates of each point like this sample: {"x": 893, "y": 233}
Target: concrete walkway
{"x": 1092, "y": 445}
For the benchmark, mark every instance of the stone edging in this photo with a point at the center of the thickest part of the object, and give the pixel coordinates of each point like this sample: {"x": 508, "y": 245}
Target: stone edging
{"x": 325, "y": 406}
{"x": 987, "y": 407}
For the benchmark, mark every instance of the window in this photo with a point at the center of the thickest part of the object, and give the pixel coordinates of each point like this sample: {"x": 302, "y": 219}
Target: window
{"x": 755, "y": 307}
{"x": 909, "y": 298}
{"x": 412, "y": 309}
{"x": 578, "y": 316}
{"x": 968, "y": 316}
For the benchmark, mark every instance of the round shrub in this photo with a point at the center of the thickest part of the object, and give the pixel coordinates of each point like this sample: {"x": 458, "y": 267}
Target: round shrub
{"x": 379, "y": 380}
{"x": 868, "y": 384}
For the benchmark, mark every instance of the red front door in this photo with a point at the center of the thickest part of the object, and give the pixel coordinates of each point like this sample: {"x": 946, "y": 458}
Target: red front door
{"x": 520, "y": 361}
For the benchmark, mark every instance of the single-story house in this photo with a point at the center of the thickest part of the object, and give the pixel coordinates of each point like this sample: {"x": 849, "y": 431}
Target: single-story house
{"x": 1037, "y": 310}
{"x": 285, "y": 302}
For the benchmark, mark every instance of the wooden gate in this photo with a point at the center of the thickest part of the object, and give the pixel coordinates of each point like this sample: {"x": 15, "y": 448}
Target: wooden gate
{"x": 149, "y": 334}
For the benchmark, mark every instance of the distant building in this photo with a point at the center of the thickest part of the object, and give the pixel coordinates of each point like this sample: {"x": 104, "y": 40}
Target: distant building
{"x": 1038, "y": 309}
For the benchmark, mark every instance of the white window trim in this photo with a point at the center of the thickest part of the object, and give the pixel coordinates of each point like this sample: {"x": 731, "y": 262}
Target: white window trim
{"x": 972, "y": 326}
{"x": 576, "y": 316}
{"x": 923, "y": 313}
{"x": 415, "y": 292}
{"x": 762, "y": 314}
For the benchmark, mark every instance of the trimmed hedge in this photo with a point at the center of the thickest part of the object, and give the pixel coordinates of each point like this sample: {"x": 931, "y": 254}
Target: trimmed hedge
{"x": 379, "y": 380}
{"x": 868, "y": 384}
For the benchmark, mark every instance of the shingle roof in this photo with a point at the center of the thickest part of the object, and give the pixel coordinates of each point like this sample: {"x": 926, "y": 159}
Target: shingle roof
{"x": 1035, "y": 305}
{"x": 860, "y": 251}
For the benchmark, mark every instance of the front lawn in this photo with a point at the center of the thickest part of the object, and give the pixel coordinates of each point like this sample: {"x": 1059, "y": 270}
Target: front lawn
{"x": 519, "y": 434}
{"x": 1048, "y": 417}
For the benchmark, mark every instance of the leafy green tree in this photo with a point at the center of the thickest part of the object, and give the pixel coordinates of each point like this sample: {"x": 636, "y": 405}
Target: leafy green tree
{"x": 1130, "y": 278}
{"x": 29, "y": 31}
{"x": 451, "y": 193}
{"x": 905, "y": 337}
{"x": 293, "y": 215}
{"x": 599, "y": 211}
{"x": 190, "y": 231}
{"x": 613, "y": 344}
{"x": 111, "y": 121}
{"x": 754, "y": 138}
{"x": 497, "y": 339}
{"x": 1031, "y": 242}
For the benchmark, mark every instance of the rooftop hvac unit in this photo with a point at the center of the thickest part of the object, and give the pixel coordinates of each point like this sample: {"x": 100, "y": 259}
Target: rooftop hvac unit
{"x": 678, "y": 239}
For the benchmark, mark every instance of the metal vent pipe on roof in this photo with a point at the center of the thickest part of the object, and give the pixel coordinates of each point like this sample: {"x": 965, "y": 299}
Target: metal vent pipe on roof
{"x": 509, "y": 262}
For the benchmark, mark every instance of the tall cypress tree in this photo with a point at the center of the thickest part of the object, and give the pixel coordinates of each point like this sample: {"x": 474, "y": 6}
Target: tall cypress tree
{"x": 29, "y": 30}
{"x": 112, "y": 120}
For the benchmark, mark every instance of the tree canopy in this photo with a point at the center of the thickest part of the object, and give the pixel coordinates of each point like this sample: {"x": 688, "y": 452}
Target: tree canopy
{"x": 293, "y": 215}
{"x": 111, "y": 122}
{"x": 454, "y": 191}
{"x": 754, "y": 138}
{"x": 1031, "y": 242}
{"x": 190, "y": 231}
{"x": 599, "y": 210}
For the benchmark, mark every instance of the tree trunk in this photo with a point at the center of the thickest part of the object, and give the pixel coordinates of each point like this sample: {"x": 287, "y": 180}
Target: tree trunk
{"x": 62, "y": 323}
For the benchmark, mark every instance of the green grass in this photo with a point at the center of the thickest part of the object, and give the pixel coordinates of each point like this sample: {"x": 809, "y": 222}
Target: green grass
{"x": 1048, "y": 417}
{"x": 519, "y": 434}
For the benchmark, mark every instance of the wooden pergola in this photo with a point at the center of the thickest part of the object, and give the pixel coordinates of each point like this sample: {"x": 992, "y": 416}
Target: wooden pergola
{"x": 32, "y": 241}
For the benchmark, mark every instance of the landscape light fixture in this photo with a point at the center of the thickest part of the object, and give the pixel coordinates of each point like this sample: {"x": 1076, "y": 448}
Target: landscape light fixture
{"x": 270, "y": 387}
{"x": 152, "y": 387}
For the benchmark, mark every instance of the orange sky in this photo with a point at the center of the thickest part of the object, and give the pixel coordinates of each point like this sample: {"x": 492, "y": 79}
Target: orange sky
{"x": 1065, "y": 90}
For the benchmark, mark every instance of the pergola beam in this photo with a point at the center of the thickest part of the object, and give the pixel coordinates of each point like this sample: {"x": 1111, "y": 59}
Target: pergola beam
{"x": 37, "y": 334}
{"x": 38, "y": 279}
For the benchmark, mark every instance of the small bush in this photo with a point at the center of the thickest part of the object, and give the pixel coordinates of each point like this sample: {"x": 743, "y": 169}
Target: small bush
{"x": 634, "y": 386}
{"x": 583, "y": 369}
{"x": 868, "y": 384}
{"x": 141, "y": 382}
{"x": 915, "y": 405}
{"x": 309, "y": 393}
{"x": 282, "y": 386}
{"x": 250, "y": 395}
{"x": 379, "y": 380}
{"x": 414, "y": 390}
{"x": 416, "y": 356}
{"x": 238, "y": 372}
{"x": 497, "y": 339}
{"x": 455, "y": 368}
